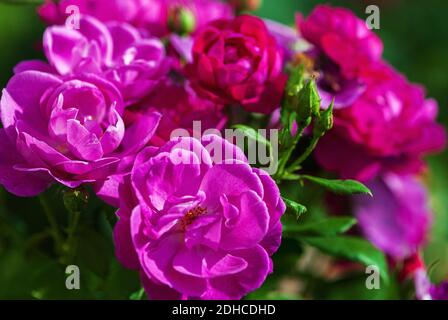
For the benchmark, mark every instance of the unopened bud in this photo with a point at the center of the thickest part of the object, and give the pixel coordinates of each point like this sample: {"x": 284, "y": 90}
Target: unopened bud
{"x": 308, "y": 105}
{"x": 324, "y": 122}
{"x": 181, "y": 20}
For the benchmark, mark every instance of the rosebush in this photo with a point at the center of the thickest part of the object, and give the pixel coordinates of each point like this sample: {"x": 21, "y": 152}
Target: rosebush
{"x": 148, "y": 122}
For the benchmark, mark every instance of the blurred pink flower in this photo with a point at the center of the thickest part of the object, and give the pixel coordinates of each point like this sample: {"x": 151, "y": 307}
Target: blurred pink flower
{"x": 397, "y": 219}
{"x": 343, "y": 47}
{"x": 342, "y": 37}
{"x": 425, "y": 290}
{"x": 388, "y": 129}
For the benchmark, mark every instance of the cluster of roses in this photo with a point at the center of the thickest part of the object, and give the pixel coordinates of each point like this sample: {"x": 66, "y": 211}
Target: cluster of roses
{"x": 100, "y": 111}
{"x": 383, "y": 127}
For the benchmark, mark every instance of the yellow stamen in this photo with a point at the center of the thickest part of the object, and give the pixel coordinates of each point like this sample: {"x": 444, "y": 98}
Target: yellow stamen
{"x": 191, "y": 215}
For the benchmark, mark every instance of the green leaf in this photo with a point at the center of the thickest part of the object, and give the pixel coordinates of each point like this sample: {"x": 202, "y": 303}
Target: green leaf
{"x": 344, "y": 187}
{"x": 291, "y": 176}
{"x": 296, "y": 207}
{"x": 324, "y": 122}
{"x": 351, "y": 248}
{"x": 308, "y": 102}
{"x": 137, "y": 295}
{"x": 253, "y": 134}
{"x": 326, "y": 227}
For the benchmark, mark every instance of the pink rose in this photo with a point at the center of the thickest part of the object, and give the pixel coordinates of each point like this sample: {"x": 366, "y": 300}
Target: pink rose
{"x": 238, "y": 62}
{"x": 116, "y": 51}
{"x": 197, "y": 225}
{"x": 343, "y": 47}
{"x": 397, "y": 219}
{"x": 389, "y": 128}
{"x": 342, "y": 37}
{"x": 68, "y": 130}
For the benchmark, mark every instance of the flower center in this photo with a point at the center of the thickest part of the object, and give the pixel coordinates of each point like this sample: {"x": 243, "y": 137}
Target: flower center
{"x": 191, "y": 215}
{"x": 306, "y": 60}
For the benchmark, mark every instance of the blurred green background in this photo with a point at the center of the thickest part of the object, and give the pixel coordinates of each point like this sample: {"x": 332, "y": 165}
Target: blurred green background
{"x": 415, "y": 36}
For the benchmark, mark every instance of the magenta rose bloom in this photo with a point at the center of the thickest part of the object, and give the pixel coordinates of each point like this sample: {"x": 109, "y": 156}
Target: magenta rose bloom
{"x": 342, "y": 37}
{"x": 155, "y": 16}
{"x": 343, "y": 47}
{"x": 397, "y": 219}
{"x": 389, "y": 128}
{"x": 198, "y": 221}
{"x": 55, "y": 12}
{"x": 68, "y": 130}
{"x": 238, "y": 62}
{"x": 115, "y": 51}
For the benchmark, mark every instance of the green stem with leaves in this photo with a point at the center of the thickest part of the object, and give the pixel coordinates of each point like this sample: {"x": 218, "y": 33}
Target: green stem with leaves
{"x": 286, "y": 155}
{"x": 284, "y": 158}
